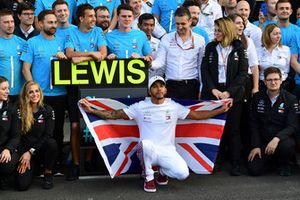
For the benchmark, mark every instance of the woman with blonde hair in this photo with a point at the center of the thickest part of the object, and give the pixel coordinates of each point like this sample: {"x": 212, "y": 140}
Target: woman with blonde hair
{"x": 37, "y": 144}
{"x": 273, "y": 54}
{"x": 224, "y": 73}
{"x": 9, "y": 134}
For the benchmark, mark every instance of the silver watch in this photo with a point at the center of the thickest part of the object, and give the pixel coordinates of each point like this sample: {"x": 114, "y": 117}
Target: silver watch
{"x": 32, "y": 151}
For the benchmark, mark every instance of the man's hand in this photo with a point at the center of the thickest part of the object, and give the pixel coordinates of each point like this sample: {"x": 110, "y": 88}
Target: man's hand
{"x": 112, "y": 56}
{"x": 148, "y": 58}
{"x": 226, "y": 105}
{"x": 86, "y": 106}
{"x": 24, "y": 162}
{"x": 272, "y": 145}
{"x": 76, "y": 60}
{"x": 5, "y": 156}
{"x": 135, "y": 55}
{"x": 253, "y": 153}
{"x": 60, "y": 56}
{"x": 96, "y": 55}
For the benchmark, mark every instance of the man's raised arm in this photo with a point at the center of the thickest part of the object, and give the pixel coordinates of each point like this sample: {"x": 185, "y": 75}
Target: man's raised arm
{"x": 105, "y": 114}
{"x": 205, "y": 114}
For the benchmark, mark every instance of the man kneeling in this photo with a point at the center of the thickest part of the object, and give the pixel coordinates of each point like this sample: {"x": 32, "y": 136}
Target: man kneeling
{"x": 156, "y": 118}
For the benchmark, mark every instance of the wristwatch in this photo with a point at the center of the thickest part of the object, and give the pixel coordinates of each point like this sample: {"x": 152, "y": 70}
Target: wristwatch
{"x": 32, "y": 151}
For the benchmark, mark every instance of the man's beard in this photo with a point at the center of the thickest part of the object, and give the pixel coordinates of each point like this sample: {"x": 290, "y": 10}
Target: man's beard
{"x": 194, "y": 22}
{"x": 104, "y": 27}
{"x": 49, "y": 32}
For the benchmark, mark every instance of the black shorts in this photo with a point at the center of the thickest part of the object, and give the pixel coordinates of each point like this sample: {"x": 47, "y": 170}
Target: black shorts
{"x": 73, "y": 98}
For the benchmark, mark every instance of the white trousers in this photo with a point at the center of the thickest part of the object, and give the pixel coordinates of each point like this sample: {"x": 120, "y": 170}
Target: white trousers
{"x": 170, "y": 163}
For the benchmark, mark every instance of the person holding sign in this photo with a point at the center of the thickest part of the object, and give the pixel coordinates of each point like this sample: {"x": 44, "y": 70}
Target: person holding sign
{"x": 156, "y": 117}
{"x": 125, "y": 42}
{"x": 82, "y": 44}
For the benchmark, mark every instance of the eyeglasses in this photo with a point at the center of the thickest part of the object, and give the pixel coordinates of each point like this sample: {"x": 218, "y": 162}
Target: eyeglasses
{"x": 273, "y": 79}
{"x": 28, "y": 14}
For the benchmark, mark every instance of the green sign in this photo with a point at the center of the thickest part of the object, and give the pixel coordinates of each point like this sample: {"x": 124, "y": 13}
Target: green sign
{"x": 107, "y": 73}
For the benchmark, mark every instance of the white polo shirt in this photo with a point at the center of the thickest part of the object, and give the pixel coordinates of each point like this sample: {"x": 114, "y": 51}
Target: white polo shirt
{"x": 252, "y": 55}
{"x": 181, "y": 60}
{"x": 157, "y": 122}
{"x": 253, "y": 32}
{"x": 279, "y": 57}
{"x": 154, "y": 43}
{"x": 147, "y": 6}
{"x": 209, "y": 13}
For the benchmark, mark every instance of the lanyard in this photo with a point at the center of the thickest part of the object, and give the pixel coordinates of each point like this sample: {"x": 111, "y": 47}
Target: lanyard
{"x": 224, "y": 56}
{"x": 191, "y": 47}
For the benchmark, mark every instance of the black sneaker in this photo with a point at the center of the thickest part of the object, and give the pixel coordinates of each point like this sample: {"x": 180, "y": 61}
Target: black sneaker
{"x": 48, "y": 181}
{"x": 57, "y": 171}
{"x": 4, "y": 183}
{"x": 73, "y": 173}
{"x": 235, "y": 170}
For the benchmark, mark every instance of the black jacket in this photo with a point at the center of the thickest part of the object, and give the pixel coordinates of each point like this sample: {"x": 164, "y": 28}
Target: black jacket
{"x": 267, "y": 121}
{"x": 236, "y": 75}
{"x": 18, "y": 32}
{"x": 41, "y": 130}
{"x": 9, "y": 127}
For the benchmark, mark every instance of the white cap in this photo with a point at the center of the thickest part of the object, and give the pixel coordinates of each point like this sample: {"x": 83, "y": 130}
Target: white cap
{"x": 154, "y": 79}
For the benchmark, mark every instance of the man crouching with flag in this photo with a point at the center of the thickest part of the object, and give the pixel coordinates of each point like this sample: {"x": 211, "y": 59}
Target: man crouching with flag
{"x": 156, "y": 117}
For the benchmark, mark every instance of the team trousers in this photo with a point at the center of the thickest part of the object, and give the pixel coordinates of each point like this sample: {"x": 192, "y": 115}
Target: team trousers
{"x": 282, "y": 155}
{"x": 47, "y": 154}
{"x": 6, "y": 169}
{"x": 59, "y": 105}
{"x": 170, "y": 163}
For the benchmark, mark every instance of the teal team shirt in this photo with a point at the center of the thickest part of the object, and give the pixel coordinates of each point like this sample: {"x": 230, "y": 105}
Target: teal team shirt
{"x": 39, "y": 52}
{"x": 10, "y": 63}
{"x": 165, "y": 9}
{"x": 85, "y": 42}
{"x": 288, "y": 34}
{"x": 201, "y": 32}
{"x": 295, "y": 49}
{"x": 41, "y": 5}
{"x": 124, "y": 44}
{"x": 64, "y": 32}
{"x": 110, "y": 4}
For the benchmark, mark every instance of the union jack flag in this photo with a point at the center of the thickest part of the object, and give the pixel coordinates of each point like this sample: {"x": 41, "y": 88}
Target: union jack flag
{"x": 197, "y": 141}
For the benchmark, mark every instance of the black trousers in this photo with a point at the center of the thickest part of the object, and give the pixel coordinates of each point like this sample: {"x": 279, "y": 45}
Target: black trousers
{"x": 6, "y": 169}
{"x": 282, "y": 155}
{"x": 232, "y": 135}
{"x": 185, "y": 89}
{"x": 296, "y": 92}
{"x": 59, "y": 105}
{"x": 46, "y": 155}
